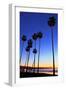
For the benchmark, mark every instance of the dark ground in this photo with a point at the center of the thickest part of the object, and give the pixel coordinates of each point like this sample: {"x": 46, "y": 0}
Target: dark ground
{"x": 30, "y": 74}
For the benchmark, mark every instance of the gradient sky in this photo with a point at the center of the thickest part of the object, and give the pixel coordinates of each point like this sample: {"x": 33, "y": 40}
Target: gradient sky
{"x": 31, "y": 22}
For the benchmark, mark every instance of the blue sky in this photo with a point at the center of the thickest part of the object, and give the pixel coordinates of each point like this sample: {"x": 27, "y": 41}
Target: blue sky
{"x": 31, "y": 22}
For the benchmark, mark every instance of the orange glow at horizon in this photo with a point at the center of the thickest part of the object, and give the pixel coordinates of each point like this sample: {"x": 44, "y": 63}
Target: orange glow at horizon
{"x": 43, "y": 65}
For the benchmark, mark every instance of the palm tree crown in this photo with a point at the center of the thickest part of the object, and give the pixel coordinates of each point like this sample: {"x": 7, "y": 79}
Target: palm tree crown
{"x": 23, "y": 38}
{"x": 51, "y": 21}
{"x": 39, "y": 35}
{"x": 34, "y": 36}
{"x": 34, "y": 51}
{"x": 27, "y": 49}
{"x": 30, "y": 43}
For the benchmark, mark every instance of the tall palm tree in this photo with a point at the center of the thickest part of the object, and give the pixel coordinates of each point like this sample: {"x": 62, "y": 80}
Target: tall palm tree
{"x": 23, "y": 38}
{"x": 34, "y": 51}
{"x": 28, "y": 50}
{"x": 34, "y": 36}
{"x": 39, "y": 35}
{"x": 51, "y": 23}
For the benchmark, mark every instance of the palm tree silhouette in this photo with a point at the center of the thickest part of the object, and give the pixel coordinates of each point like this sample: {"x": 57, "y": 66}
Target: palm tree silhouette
{"x": 23, "y": 38}
{"x": 34, "y": 51}
{"x": 30, "y": 43}
{"x": 39, "y": 35}
{"x": 51, "y": 23}
{"x": 28, "y": 50}
{"x": 34, "y": 36}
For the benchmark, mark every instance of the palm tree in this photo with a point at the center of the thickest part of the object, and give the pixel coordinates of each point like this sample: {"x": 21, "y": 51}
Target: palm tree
{"x": 30, "y": 43}
{"x": 23, "y": 38}
{"x": 39, "y": 35}
{"x": 34, "y": 51}
{"x": 28, "y": 50}
{"x": 51, "y": 23}
{"x": 34, "y": 36}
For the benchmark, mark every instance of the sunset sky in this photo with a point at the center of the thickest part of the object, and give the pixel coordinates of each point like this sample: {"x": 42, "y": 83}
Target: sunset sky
{"x": 31, "y": 23}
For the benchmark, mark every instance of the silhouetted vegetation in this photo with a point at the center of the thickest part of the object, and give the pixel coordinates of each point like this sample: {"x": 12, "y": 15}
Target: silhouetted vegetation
{"x": 51, "y": 23}
{"x": 30, "y": 72}
{"x": 23, "y": 38}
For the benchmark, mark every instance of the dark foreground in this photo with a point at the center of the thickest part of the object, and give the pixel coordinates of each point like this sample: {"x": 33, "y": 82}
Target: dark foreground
{"x": 30, "y": 74}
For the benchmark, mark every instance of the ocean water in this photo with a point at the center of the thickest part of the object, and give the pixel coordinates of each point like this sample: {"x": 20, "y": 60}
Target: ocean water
{"x": 48, "y": 71}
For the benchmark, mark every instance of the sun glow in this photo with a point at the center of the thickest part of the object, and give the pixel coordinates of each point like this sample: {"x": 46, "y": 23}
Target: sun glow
{"x": 43, "y": 65}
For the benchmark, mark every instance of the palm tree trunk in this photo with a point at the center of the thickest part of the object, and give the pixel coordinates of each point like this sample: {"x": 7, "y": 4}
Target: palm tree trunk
{"x": 35, "y": 44}
{"x": 34, "y": 62}
{"x": 28, "y": 60}
{"x": 53, "y": 52}
{"x": 38, "y": 56}
{"x": 34, "y": 58}
{"x": 22, "y": 51}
